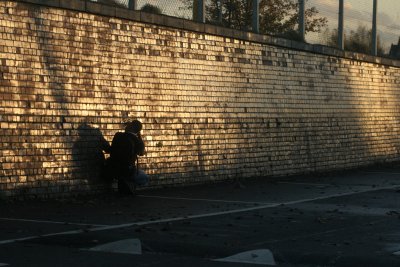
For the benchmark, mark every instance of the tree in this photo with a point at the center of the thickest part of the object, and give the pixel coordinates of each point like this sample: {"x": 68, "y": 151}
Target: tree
{"x": 280, "y": 17}
{"x": 277, "y": 17}
{"x": 395, "y": 50}
{"x": 359, "y": 40}
{"x": 151, "y": 9}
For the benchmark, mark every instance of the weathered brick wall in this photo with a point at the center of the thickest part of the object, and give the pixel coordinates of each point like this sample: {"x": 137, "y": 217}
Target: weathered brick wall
{"x": 213, "y": 107}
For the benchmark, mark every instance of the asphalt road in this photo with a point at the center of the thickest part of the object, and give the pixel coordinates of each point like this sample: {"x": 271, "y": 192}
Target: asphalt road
{"x": 344, "y": 219}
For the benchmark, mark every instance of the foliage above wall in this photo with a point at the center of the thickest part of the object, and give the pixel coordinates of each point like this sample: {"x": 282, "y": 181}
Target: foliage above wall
{"x": 278, "y": 17}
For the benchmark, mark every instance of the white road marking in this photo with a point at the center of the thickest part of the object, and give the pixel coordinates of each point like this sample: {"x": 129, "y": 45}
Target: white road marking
{"x": 205, "y": 215}
{"x": 4, "y": 264}
{"x": 127, "y": 246}
{"x": 397, "y": 253}
{"x": 3, "y": 242}
{"x": 52, "y": 222}
{"x": 259, "y": 256}
{"x": 207, "y": 200}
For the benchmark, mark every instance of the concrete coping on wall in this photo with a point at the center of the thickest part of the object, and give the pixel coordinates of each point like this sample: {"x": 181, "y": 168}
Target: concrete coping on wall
{"x": 189, "y": 25}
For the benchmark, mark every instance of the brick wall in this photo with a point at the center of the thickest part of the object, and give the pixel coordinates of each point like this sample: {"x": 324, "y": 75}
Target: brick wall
{"x": 214, "y": 107}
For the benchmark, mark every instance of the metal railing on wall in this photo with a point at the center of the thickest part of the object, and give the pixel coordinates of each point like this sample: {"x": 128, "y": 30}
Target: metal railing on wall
{"x": 366, "y": 26}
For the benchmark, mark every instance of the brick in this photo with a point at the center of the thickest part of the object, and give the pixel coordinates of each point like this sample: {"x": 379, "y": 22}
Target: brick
{"x": 216, "y": 103}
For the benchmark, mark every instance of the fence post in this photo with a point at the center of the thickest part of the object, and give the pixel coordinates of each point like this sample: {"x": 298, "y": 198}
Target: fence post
{"x": 132, "y": 4}
{"x": 255, "y": 16}
{"x": 199, "y": 11}
{"x": 340, "y": 26}
{"x": 302, "y": 21}
{"x": 221, "y": 4}
{"x": 374, "y": 45}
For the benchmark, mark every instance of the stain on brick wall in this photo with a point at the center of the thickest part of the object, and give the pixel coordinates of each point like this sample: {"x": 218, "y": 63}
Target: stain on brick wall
{"x": 213, "y": 107}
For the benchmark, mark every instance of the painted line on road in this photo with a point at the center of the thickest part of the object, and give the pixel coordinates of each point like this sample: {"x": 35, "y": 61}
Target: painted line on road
{"x": 204, "y": 215}
{"x": 3, "y": 242}
{"x": 4, "y": 264}
{"x": 208, "y": 200}
{"x": 126, "y": 246}
{"x": 53, "y": 222}
{"x": 259, "y": 256}
{"x": 211, "y": 214}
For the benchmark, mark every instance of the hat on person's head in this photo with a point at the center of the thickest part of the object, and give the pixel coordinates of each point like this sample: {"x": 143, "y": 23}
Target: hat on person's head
{"x": 134, "y": 126}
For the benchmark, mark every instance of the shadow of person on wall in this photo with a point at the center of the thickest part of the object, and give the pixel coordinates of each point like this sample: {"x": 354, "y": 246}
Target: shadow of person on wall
{"x": 88, "y": 156}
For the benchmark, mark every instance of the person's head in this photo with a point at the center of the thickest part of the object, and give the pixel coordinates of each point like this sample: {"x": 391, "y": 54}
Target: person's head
{"x": 134, "y": 126}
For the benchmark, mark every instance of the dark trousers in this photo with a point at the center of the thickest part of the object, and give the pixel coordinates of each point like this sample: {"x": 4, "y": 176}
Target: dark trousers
{"x": 124, "y": 173}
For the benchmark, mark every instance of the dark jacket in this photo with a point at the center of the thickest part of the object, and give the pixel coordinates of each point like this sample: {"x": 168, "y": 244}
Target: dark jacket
{"x": 125, "y": 148}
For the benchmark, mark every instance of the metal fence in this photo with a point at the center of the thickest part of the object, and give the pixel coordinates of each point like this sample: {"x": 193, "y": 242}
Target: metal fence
{"x": 366, "y": 26}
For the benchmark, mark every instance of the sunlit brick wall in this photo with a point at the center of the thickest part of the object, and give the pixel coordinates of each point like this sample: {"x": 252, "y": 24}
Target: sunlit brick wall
{"x": 213, "y": 107}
